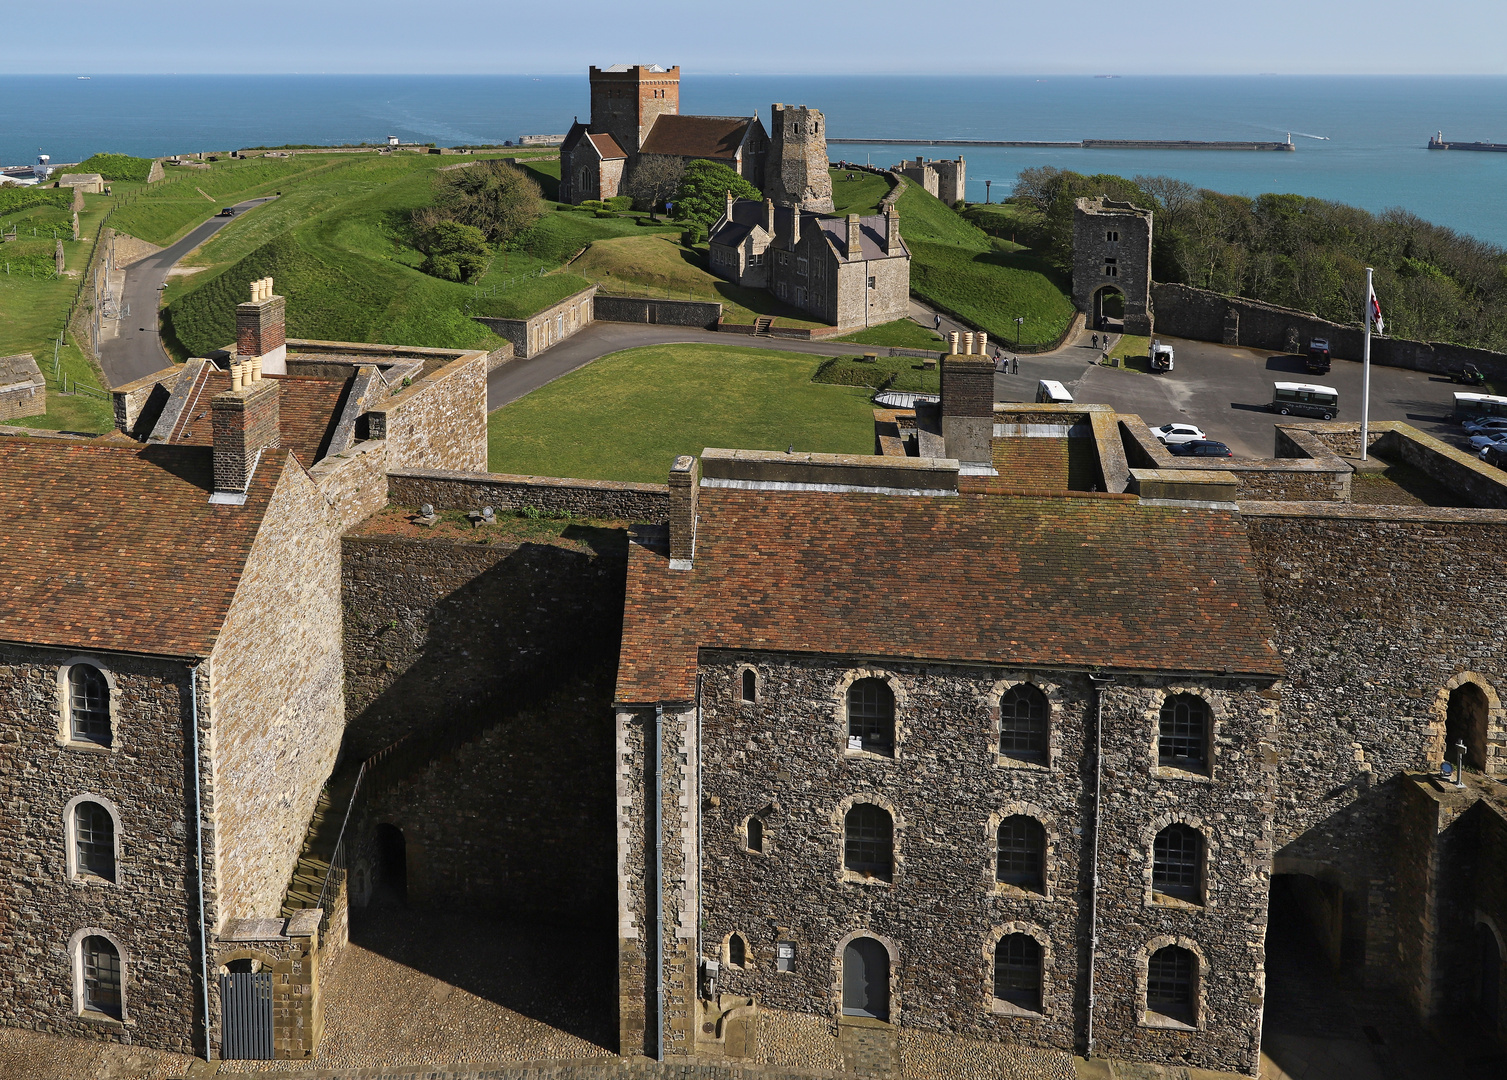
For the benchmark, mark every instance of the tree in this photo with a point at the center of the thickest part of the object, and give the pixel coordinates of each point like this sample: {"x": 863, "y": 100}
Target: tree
{"x": 492, "y": 196}
{"x": 655, "y": 177}
{"x": 456, "y": 252}
{"x": 702, "y": 195}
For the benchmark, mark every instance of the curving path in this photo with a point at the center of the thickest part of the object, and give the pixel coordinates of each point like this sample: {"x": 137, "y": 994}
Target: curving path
{"x": 137, "y": 351}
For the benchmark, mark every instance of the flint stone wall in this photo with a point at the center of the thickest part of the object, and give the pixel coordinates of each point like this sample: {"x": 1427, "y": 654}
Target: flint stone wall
{"x": 586, "y": 498}
{"x": 144, "y": 774}
{"x": 638, "y": 309}
{"x": 943, "y": 908}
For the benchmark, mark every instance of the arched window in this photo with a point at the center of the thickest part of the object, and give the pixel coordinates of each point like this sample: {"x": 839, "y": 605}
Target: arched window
{"x": 1183, "y": 741}
{"x": 101, "y": 976}
{"x": 1171, "y": 981}
{"x": 737, "y": 951}
{"x": 88, "y": 705}
{"x": 866, "y": 979}
{"x": 869, "y": 842}
{"x": 755, "y": 829}
{"x": 1489, "y": 978}
{"x": 94, "y": 841}
{"x": 750, "y": 685}
{"x": 1465, "y": 721}
{"x": 1177, "y": 863}
{"x": 1017, "y": 971}
{"x": 871, "y": 715}
{"x": 1021, "y": 853}
{"x": 1023, "y": 723}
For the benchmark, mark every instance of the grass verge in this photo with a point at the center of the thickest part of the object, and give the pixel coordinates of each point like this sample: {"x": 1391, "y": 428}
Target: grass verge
{"x": 900, "y": 334}
{"x": 859, "y": 195}
{"x": 627, "y": 415}
{"x": 885, "y": 373}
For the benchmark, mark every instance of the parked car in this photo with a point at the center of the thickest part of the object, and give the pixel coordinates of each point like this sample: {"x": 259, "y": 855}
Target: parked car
{"x": 1470, "y": 375}
{"x": 1485, "y": 424}
{"x": 1201, "y": 448}
{"x": 226, "y": 211}
{"x": 1318, "y": 356}
{"x": 1495, "y": 455}
{"x": 1161, "y": 356}
{"x": 1481, "y": 442}
{"x": 1172, "y": 434}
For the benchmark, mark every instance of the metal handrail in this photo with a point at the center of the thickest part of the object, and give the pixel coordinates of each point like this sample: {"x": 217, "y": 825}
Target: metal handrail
{"x": 337, "y": 857}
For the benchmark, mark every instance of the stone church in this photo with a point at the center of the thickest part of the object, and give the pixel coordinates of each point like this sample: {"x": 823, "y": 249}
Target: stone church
{"x": 636, "y": 117}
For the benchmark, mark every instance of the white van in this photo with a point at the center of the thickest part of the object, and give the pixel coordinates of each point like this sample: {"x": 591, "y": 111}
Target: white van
{"x": 1305, "y": 399}
{"x": 1052, "y": 392}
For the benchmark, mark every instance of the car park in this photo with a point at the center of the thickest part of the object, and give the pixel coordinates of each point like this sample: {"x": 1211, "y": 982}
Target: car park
{"x": 1481, "y": 442}
{"x": 1201, "y": 448}
{"x": 1484, "y": 425}
{"x": 1172, "y": 434}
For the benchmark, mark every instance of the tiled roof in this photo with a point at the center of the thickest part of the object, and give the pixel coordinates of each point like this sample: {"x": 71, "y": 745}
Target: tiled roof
{"x": 114, "y": 547}
{"x": 607, "y": 146}
{"x": 308, "y": 410}
{"x": 716, "y": 137}
{"x": 1037, "y": 581}
{"x": 573, "y": 137}
{"x": 873, "y": 231}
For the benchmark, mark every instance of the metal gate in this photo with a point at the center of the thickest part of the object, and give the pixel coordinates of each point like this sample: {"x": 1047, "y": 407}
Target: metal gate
{"x": 246, "y": 1008}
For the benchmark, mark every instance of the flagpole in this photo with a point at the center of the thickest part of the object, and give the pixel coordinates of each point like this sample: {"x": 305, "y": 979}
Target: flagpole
{"x": 1365, "y": 361}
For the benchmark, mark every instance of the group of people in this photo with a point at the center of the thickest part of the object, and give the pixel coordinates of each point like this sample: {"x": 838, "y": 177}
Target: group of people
{"x": 1005, "y": 365}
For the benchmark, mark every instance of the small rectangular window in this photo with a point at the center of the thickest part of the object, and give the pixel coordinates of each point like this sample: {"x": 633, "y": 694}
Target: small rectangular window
{"x": 1112, "y": 236}
{"x": 871, "y": 283}
{"x": 802, "y": 265}
{"x": 784, "y": 956}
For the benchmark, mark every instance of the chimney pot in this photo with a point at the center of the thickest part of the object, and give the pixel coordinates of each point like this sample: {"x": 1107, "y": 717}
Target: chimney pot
{"x": 968, "y": 343}
{"x": 952, "y": 342}
{"x": 685, "y": 479}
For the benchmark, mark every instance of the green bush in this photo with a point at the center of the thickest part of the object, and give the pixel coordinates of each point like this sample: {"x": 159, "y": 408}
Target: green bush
{"x": 116, "y": 167}
{"x": 13, "y": 199}
{"x": 456, "y": 252}
{"x": 702, "y": 195}
{"x": 620, "y": 203}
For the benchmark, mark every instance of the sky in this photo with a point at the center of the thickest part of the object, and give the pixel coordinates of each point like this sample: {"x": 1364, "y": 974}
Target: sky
{"x": 770, "y": 37}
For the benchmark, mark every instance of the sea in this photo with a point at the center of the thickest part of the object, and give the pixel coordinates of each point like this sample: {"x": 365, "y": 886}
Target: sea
{"x": 1360, "y": 139}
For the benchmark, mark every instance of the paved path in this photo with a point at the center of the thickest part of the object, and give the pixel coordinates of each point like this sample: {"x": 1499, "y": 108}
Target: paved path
{"x": 136, "y": 350}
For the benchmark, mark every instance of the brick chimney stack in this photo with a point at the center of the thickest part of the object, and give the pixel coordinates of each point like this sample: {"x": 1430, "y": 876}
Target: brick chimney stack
{"x": 685, "y": 479}
{"x": 855, "y": 237}
{"x": 891, "y": 230}
{"x": 246, "y": 421}
{"x": 769, "y": 216}
{"x": 261, "y": 328}
{"x": 968, "y": 411}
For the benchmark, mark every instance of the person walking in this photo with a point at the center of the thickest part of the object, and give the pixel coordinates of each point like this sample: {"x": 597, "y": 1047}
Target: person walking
{"x": 1015, "y": 365}
{"x": 1096, "y": 342}
{"x": 937, "y": 322}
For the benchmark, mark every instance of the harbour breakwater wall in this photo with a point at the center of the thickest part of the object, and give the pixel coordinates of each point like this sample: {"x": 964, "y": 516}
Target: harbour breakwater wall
{"x": 1186, "y": 312}
{"x": 1084, "y": 144}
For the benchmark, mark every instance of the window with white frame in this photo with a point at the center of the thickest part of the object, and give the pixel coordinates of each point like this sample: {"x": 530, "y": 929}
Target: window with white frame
{"x": 88, "y": 705}
{"x": 100, "y": 977}
{"x": 94, "y": 841}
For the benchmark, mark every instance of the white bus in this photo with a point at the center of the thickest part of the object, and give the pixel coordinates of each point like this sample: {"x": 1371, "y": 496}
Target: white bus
{"x": 1052, "y": 392}
{"x": 1468, "y": 405}
{"x": 1305, "y": 399}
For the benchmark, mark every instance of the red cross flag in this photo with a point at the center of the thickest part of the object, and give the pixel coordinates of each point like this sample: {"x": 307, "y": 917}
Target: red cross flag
{"x": 1373, "y": 313}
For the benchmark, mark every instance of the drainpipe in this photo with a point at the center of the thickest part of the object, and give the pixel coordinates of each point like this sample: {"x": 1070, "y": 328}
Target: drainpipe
{"x": 1099, "y": 683}
{"x": 699, "y": 813}
{"x": 657, "y": 885}
{"x": 193, "y": 694}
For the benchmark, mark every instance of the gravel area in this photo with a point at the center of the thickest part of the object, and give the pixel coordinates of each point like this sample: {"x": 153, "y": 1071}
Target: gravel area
{"x": 33, "y": 1055}
{"x": 419, "y": 987}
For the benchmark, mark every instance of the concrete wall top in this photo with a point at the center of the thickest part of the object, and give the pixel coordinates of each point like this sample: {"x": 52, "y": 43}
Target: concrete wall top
{"x": 771, "y": 470}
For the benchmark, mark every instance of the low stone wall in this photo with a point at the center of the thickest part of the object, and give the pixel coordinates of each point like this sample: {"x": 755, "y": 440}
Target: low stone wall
{"x": 1300, "y": 478}
{"x": 586, "y": 498}
{"x": 793, "y": 333}
{"x": 604, "y": 1068}
{"x": 1183, "y": 311}
{"x": 641, "y": 309}
{"x": 545, "y": 328}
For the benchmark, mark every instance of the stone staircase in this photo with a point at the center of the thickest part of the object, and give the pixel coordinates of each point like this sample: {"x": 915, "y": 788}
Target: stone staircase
{"x": 319, "y": 843}
{"x": 762, "y": 325}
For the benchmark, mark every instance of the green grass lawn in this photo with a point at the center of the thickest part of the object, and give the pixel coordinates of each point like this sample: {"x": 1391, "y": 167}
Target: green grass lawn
{"x": 860, "y": 195}
{"x": 903, "y": 373}
{"x": 961, "y": 269}
{"x": 627, "y": 415}
{"x": 901, "y": 334}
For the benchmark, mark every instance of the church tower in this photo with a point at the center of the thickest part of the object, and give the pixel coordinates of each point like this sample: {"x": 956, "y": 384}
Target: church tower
{"x": 626, "y": 99}
{"x": 796, "y": 171}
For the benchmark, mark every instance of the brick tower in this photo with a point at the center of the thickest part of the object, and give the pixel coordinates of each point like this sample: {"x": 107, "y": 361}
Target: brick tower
{"x": 796, "y": 172}
{"x": 626, "y": 99}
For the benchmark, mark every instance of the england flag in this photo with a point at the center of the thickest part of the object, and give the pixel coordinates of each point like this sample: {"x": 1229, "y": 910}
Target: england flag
{"x": 1373, "y": 314}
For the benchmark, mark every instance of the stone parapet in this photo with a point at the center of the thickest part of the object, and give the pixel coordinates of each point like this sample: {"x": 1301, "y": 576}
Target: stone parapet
{"x": 586, "y": 498}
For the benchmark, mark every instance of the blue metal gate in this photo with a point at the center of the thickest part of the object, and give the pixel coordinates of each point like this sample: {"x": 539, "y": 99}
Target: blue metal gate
{"x": 246, "y": 1009}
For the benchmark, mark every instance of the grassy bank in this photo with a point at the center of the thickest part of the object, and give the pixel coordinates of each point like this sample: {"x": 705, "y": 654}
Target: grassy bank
{"x": 626, "y": 416}
{"x": 959, "y": 268}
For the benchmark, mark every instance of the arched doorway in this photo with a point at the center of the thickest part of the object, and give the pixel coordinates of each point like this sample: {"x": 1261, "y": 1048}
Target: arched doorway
{"x": 866, "y": 979}
{"x": 391, "y": 884}
{"x": 1465, "y": 721}
{"x": 1108, "y": 310}
{"x": 1488, "y": 977}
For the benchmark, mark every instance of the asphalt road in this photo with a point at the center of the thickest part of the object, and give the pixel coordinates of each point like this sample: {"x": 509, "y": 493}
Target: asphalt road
{"x": 1225, "y": 391}
{"x": 137, "y": 350}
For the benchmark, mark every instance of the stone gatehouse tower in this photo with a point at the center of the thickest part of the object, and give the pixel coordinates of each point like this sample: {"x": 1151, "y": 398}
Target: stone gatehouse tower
{"x": 1112, "y": 254}
{"x": 796, "y": 174}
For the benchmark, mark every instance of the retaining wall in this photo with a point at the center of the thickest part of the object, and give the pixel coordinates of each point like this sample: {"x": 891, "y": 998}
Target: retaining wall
{"x": 642, "y": 309}
{"x": 1183, "y": 311}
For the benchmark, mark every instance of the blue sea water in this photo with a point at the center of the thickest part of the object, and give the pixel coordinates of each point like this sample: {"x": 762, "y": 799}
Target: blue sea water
{"x": 1373, "y": 154}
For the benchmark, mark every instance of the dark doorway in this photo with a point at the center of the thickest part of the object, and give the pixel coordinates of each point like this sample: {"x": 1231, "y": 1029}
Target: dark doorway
{"x": 866, "y": 979}
{"x": 1465, "y": 721}
{"x": 391, "y": 885}
{"x": 1489, "y": 978}
{"x": 1108, "y": 310}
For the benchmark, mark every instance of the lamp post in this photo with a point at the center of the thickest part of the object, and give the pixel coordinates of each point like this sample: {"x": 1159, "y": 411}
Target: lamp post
{"x": 1018, "y": 320}
{"x": 986, "y": 191}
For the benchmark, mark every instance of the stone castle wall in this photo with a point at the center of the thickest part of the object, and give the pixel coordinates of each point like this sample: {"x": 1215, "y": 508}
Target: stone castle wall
{"x": 278, "y": 698}
{"x": 547, "y": 327}
{"x": 587, "y": 498}
{"x": 440, "y": 422}
{"x": 1108, "y": 234}
{"x": 147, "y": 912}
{"x": 943, "y": 910}
{"x": 796, "y": 171}
{"x": 637, "y": 309}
